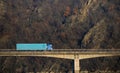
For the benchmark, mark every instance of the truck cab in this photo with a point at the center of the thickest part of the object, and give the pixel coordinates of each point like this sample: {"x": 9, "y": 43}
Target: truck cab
{"x": 49, "y": 47}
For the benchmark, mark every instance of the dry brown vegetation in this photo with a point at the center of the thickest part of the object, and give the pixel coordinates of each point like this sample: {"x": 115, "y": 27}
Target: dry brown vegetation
{"x": 64, "y": 23}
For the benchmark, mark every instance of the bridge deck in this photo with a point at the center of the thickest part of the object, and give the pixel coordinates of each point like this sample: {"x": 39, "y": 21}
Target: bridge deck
{"x": 8, "y": 52}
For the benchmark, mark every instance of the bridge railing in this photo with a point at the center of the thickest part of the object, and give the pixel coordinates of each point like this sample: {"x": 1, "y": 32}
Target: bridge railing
{"x": 68, "y": 50}
{"x": 87, "y": 50}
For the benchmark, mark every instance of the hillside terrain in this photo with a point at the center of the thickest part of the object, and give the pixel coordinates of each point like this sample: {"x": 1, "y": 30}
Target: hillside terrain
{"x": 67, "y": 24}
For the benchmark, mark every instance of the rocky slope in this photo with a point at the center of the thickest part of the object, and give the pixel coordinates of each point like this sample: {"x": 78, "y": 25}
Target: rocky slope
{"x": 88, "y": 24}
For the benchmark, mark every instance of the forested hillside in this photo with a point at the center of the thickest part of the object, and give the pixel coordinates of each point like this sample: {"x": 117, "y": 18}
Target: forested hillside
{"x": 67, "y": 24}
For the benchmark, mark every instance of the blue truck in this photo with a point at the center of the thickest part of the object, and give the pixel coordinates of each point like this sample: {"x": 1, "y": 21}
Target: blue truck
{"x": 33, "y": 46}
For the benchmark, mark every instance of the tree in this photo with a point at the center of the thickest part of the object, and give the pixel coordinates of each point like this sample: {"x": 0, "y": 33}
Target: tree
{"x": 67, "y": 11}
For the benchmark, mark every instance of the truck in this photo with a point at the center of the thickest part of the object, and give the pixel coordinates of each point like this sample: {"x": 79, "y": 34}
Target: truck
{"x": 34, "y": 46}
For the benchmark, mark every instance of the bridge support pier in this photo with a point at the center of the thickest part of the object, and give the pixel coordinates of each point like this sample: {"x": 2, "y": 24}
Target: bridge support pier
{"x": 76, "y": 66}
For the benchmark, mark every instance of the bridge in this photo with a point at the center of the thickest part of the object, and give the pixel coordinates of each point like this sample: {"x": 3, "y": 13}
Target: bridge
{"x": 74, "y": 54}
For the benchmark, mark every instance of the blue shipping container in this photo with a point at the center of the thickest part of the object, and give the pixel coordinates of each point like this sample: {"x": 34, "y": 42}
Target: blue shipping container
{"x": 31, "y": 46}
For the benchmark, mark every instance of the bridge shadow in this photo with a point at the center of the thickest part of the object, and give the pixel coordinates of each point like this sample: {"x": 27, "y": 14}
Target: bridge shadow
{"x": 101, "y": 64}
{"x": 35, "y": 64}
{"x": 49, "y": 65}
{"x": 46, "y": 64}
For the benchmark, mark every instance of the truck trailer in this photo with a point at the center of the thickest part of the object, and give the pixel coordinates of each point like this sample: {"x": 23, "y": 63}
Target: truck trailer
{"x": 33, "y": 46}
